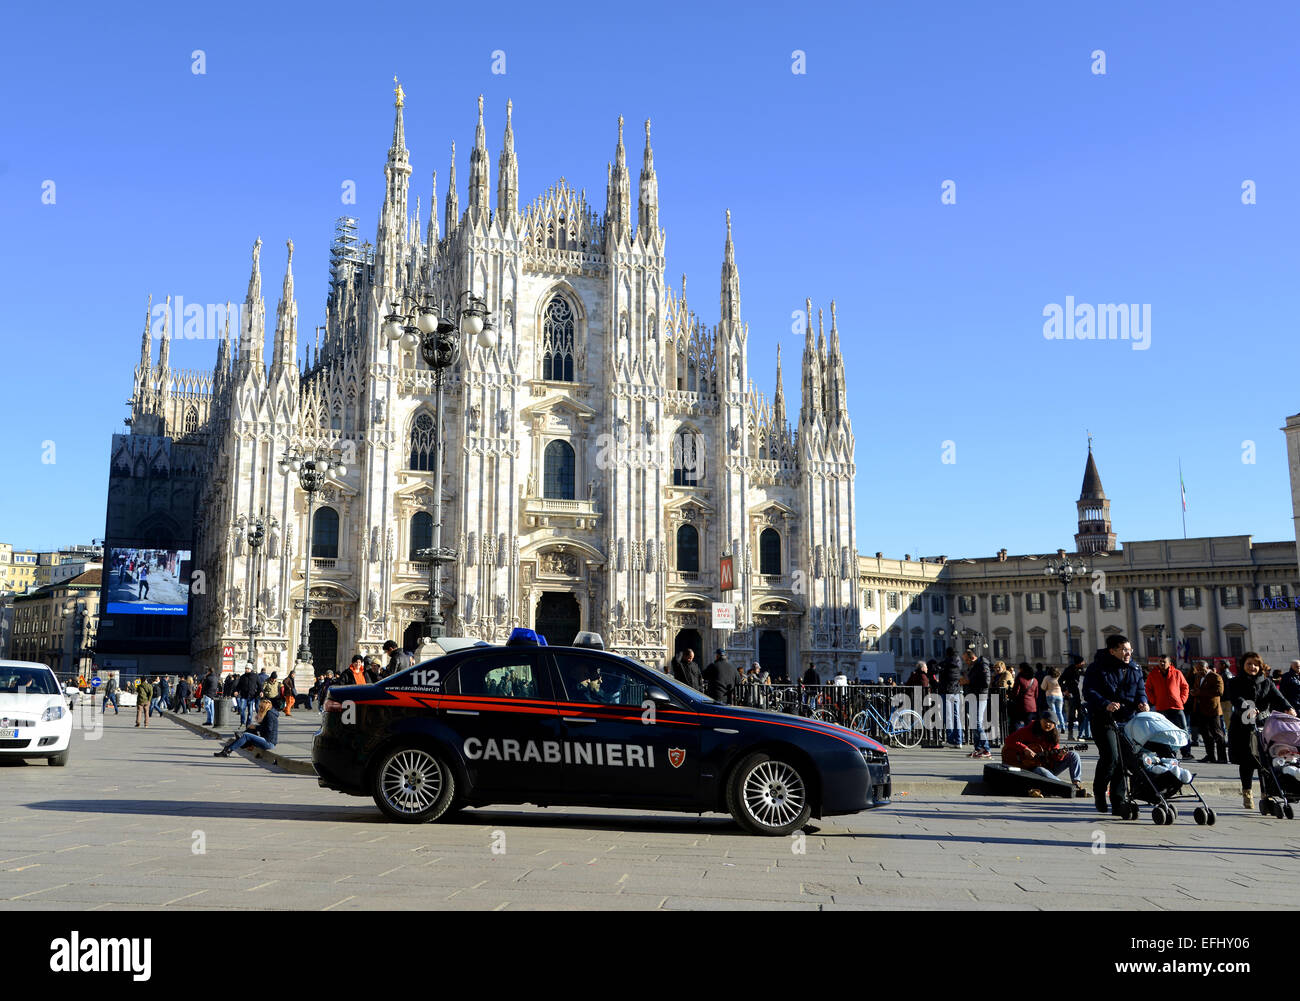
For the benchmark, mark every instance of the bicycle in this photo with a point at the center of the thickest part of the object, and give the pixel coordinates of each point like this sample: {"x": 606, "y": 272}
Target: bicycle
{"x": 904, "y": 726}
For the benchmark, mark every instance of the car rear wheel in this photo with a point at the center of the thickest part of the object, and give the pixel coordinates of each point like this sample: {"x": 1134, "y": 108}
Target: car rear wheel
{"x": 413, "y": 785}
{"x": 60, "y": 759}
{"x": 768, "y": 796}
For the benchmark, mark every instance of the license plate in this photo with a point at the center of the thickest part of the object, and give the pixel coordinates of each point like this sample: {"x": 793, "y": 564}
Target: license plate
{"x": 8, "y": 733}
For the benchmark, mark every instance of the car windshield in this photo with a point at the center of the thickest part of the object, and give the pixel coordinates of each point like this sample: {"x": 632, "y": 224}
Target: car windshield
{"x": 669, "y": 683}
{"x": 27, "y": 681}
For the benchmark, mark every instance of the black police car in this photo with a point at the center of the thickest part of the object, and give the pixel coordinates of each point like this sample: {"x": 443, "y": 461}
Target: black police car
{"x": 577, "y": 726}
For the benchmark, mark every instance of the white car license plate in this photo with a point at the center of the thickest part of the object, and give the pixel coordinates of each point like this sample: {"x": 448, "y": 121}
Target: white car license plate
{"x": 8, "y": 733}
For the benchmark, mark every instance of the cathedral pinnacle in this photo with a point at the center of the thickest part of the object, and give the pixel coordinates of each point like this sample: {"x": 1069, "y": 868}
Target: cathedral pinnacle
{"x": 478, "y": 170}
{"x": 146, "y": 341}
{"x": 452, "y": 207}
{"x": 399, "y": 128}
{"x": 730, "y": 283}
{"x": 164, "y": 352}
{"x": 648, "y": 204}
{"x": 778, "y": 407}
{"x": 508, "y": 172}
{"x": 618, "y": 195}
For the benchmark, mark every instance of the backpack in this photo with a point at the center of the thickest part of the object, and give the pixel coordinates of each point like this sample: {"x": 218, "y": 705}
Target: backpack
{"x": 271, "y": 690}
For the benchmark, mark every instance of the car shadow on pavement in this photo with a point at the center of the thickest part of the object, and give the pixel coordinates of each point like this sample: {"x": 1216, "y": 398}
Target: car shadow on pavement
{"x": 1112, "y": 845}
{"x": 563, "y": 817}
{"x": 235, "y": 810}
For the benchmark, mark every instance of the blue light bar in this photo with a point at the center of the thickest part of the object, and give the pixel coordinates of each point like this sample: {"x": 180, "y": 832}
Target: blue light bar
{"x": 521, "y": 636}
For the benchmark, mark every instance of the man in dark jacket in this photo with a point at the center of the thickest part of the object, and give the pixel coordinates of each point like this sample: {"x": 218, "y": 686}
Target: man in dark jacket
{"x": 228, "y": 686}
{"x": 247, "y": 690}
{"x": 208, "y": 692}
{"x": 1072, "y": 689}
{"x": 183, "y": 694}
{"x": 686, "y": 670}
{"x": 950, "y": 689}
{"x": 1114, "y": 690}
{"x": 719, "y": 678}
{"x": 979, "y": 676}
{"x": 263, "y": 735}
{"x": 398, "y": 659}
{"x": 1289, "y": 686}
{"x": 161, "y": 697}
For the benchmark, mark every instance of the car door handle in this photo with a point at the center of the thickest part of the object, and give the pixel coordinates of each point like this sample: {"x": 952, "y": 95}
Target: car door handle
{"x": 719, "y": 729}
{"x": 462, "y": 712}
{"x": 579, "y": 719}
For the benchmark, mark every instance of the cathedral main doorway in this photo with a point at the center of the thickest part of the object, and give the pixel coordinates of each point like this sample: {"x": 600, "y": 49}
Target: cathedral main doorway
{"x": 412, "y": 636}
{"x": 558, "y": 617}
{"x": 691, "y": 639}
{"x": 772, "y": 654}
{"x": 323, "y": 638}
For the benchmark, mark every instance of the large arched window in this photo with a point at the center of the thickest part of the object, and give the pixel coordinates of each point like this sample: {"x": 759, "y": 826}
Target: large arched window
{"x": 688, "y": 458}
{"x": 557, "y": 340}
{"x": 191, "y": 421}
{"x": 423, "y": 434}
{"x": 559, "y": 473}
{"x": 325, "y": 534}
{"x": 688, "y": 549}
{"x": 769, "y": 552}
{"x": 421, "y": 532}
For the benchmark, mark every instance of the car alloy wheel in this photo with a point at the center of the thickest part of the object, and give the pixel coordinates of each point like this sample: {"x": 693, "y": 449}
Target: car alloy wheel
{"x": 413, "y": 785}
{"x": 768, "y": 796}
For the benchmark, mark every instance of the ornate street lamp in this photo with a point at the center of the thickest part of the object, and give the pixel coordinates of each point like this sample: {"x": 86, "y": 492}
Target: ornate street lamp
{"x": 1065, "y": 570}
{"x": 413, "y": 324}
{"x": 256, "y": 536}
{"x": 313, "y": 467}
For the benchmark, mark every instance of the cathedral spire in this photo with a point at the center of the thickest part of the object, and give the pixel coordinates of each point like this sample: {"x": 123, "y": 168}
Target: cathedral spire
{"x": 146, "y": 340}
{"x": 730, "y": 284}
{"x": 431, "y": 235}
{"x": 618, "y": 195}
{"x": 838, "y": 395}
{"x": 252, "y": 332}
{"x": 478, "y": 171}
{"x": 392, "y": 218}
{"x": 453, "y": 205}
{"x": 508, "y": 173}
{"x": 399, "y": 128}
{"x": 647, "y": 215}
{"x": 164, "y": 353}
{"x": 811, "y": 406}
{"x": 778, "y": 407}
{"x": 286, "y": 321}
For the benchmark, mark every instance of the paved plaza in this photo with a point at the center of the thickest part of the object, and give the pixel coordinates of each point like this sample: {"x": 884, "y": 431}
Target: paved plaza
{"x": 147, "y": 818}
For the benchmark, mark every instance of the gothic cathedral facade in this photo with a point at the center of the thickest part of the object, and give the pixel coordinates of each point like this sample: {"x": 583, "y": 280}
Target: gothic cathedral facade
{"x": 601, "y": 456}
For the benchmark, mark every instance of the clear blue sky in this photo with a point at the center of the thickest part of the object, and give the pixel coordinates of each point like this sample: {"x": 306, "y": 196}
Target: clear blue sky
{"x": 1123, "y": 187}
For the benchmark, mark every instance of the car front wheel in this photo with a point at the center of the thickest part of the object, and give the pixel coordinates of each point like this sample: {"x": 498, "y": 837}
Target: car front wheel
{"x": 413, "y": 785}
{"x": 59, "y": 759}
{"x": 768, "y": 796}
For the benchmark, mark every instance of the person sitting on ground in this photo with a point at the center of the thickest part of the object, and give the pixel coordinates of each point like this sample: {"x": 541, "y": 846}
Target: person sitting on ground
{"x": 1036, "y": 747}
{"x": 264, "y": 734}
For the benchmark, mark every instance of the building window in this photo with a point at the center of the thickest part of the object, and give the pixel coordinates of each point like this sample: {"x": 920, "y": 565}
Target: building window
{"x": 191, "y": 421}
{"x": 769, "y": 552}
{"x": 1076, "y": 644}
{"x": 1153, "y": 645}
{"x": 1001, "y": 648}
{"x": 1001, "y": 604}
{"x": 869, "y": 599}
{"x": 1236, "y": 645}
{"x": 1109, "y": 600}
{"x": 688, "y": 549}
{"x": 892, "y": 601}
{"x": 1191, "y": 646}
{"x": 895, "y": 643}
{"x": 1231, "y": 597}
{"x": 688, "y": 458}
{"x": 421, "y": 532}
{"x": 423, "y": 440}
{"x": 966, "y": 604}
{"x": 936, "y": 604}
{"x": 557, "y": 341}
{"x": 1034, "y": 603}
{"x": 1273, "y": 591}
{"x": 1189, "y": 597}
{"x": 918, "y": 646}
{"x": 559, "y": 471}
{"x": 325, "y": 534}
{"x": 916, "y": 603}
{"x": 1072, "y": 600}
{"x": 1037, "y": 646}
{"x": 1148, "y": 598}
{"x": 938, "y": 646}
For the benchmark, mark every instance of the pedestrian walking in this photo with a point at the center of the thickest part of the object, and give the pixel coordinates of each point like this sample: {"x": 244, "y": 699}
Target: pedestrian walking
{"x": 271, "y": 690}
{"x": 1113, "y": 687}
{"x": 183, "y": 695}
{"x": 1252, "y": 691}
{"x": 719, "y": 678}
{"x": 1054, "y": 695}
{"x": 110, "y": 695}
{"x": 686, "y": 670}
{"x": 950, "y": 689}
{"x": 161, "y": 693}
{"x": 208, "y": 695}
{"x": 1167, "y": 690}
{"x": 1206, "y": 691}
{"x": 289, "y": 690}
{"x": 1289, "y": 686}
{"x": 143, "y": 696}
{"x": 1076, "y": 710}
{"x": 979, "y": 679}
{"x": 247, "y": 691}
{"x": 398, "y": 659}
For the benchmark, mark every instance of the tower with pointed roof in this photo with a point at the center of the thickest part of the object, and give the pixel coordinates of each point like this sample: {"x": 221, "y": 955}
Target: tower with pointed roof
{"x": 1094, "y": 533}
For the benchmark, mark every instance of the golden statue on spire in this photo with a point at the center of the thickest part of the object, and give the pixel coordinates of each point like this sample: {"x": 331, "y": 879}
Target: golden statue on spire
{"x": 399, "y": 92}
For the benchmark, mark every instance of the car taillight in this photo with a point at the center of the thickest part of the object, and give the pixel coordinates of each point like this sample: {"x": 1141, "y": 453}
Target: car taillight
{"x": 332, "y": 706}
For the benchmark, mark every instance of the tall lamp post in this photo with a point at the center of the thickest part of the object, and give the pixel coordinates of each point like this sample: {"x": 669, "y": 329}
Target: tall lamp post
{"x": 1065, "y": 570}
{"x": 256, "y": 536}
{"x": 415, "y": 323}
{"x": 312, "y": 467}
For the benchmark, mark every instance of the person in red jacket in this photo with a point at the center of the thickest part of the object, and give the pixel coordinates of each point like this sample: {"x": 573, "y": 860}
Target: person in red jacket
{"x": 1037, "y": 748}
{"x": 1167, "y": 691}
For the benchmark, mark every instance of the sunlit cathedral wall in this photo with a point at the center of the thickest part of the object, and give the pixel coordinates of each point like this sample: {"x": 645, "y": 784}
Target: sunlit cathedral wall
{"x": 601, "y": 456}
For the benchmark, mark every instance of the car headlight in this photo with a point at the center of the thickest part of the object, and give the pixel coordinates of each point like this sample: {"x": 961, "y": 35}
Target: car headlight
{"x": 52, "y": 713}
{"x": 873, "y": 757}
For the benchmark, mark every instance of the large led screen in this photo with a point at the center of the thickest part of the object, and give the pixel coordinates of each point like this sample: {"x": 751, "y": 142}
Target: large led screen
{"x": 148, "y": 581}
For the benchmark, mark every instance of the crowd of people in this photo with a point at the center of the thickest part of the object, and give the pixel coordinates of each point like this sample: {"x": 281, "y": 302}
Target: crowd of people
{"x": 721, "y": 680}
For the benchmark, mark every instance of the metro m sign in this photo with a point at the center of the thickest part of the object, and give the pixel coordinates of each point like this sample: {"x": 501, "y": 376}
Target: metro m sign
{"x": 726, "y": 575}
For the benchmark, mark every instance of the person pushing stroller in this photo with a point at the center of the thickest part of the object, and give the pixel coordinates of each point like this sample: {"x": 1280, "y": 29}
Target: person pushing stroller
{"x": 1113, "y": 690}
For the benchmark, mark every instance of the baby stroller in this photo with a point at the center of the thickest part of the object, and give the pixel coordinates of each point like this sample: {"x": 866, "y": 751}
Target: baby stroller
{"x": 1279, "y": 763}
{"x": 1150, "y": 747}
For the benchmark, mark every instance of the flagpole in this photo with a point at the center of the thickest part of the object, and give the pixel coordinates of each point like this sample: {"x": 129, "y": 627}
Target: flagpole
{"x": 1183, "y": 492}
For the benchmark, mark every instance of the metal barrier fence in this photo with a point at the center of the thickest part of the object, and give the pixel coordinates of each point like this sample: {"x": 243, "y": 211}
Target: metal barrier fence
{"x": 875, "y": 709}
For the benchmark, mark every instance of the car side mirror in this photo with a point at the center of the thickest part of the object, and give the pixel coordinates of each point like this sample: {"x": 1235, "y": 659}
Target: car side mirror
{"x": 657, "y": 694}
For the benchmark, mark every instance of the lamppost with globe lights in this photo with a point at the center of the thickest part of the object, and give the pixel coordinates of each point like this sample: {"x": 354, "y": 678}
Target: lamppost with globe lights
{"x": 416, "y": 323}
{"x": 1065, "y": 570}
{"x": 313, "y": 467}
{"x": 256, "y": 536}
